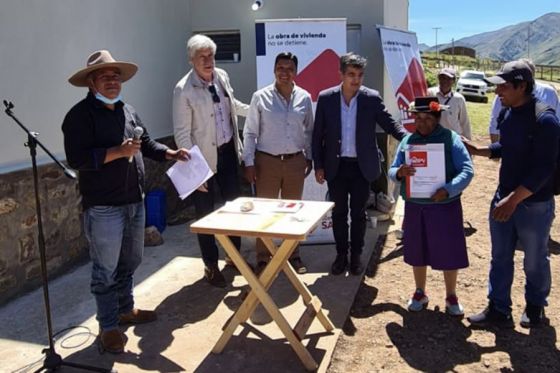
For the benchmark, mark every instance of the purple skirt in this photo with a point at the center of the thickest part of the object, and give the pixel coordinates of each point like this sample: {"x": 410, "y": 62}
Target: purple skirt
{"x": 434, "y": 235}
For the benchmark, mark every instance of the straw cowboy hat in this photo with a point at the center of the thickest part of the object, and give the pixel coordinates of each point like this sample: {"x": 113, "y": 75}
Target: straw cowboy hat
{"x": 100, "y": 60}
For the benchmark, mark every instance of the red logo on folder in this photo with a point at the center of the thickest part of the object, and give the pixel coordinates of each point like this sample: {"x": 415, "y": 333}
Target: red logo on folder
{"x": 418, "y": 159}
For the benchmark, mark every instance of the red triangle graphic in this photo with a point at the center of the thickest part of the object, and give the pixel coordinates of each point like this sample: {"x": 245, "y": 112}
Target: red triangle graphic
{"x": 320, "y": 74}
{"x": 413, "y": 85}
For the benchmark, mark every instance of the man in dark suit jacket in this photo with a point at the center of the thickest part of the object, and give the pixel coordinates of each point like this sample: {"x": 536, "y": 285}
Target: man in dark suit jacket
{"x": 345, "y": 154}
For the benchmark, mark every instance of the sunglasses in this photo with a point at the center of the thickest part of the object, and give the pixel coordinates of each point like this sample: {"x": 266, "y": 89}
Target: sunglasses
{"x": 215, "y": 96}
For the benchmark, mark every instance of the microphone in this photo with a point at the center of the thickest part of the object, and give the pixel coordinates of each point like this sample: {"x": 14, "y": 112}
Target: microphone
{"x": 138, "y": 131}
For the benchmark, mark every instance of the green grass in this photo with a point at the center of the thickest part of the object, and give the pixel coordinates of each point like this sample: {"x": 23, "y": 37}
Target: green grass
{"x": 479, "y": 115}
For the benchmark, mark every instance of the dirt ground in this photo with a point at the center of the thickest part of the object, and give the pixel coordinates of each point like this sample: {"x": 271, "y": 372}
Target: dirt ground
{"x": 380, "y": 335}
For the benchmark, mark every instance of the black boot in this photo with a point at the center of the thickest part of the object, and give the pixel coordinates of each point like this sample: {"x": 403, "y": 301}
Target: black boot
{"x": 339, "y": 265}
{"x": 356, "y": 266}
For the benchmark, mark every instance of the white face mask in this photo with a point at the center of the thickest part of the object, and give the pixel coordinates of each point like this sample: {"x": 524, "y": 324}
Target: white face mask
{"x": 108, "y": 101}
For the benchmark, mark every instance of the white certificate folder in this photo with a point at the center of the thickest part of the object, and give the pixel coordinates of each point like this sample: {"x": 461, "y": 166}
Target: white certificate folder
{"x": 429, "y": 162}
{"x": 188, "y": 176}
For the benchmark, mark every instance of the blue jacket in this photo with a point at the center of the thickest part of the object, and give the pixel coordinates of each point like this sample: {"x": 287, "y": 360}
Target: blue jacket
{"x": 529, "y": 154}
{"x": 327, "y": 132}
{"x": 458, "y": 165}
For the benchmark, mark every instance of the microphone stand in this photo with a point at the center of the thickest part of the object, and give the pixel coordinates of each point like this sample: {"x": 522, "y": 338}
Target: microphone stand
{"x": 52, "y": 360}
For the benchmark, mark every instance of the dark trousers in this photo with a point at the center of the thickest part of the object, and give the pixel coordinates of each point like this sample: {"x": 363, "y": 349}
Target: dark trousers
{"x": 349, "y": 182}
{"x": 227, "y": 180}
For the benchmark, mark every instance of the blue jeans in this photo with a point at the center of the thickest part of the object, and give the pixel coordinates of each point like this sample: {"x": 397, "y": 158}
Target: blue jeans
{"x": 116, "y": 242}
{"x": 530, "y": 226}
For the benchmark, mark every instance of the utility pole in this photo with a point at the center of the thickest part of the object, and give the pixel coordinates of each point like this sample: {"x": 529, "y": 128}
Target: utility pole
{"x": 528, "y": 37}
{"x": 453, "y": 51}
{"x": 437, "y": 49}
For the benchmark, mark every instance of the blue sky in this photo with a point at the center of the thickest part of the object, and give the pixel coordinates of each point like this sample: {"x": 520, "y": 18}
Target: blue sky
{"x": 461, "y": 18}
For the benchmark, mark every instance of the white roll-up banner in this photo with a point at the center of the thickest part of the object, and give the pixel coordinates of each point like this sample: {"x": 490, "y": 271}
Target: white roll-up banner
{"x": 318, "y": 44}
{"x": 404, "y": 66}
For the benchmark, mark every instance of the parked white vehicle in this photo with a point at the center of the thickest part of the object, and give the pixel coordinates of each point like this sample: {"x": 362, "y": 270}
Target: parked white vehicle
{"x": 471, "y": 84}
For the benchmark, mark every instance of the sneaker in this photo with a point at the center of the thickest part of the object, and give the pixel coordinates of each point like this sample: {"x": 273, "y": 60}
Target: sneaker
{"x": 453, "y": 307}
{"x": 418, "y": 302}
{"x": 356, "y": 266}
{"x": 213, "y": 275}
{"x": 532, "y": 316}
{"x": 491, "y": 317}
{"x": 112, "y": 341}
{"x": 298, "y": 265}
{"x": 229, "y": 262}
{"x": 137, "y": 316}
{"x": 339, "y": 265}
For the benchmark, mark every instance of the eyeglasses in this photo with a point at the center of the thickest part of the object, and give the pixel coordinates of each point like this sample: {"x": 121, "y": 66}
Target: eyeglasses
{"x": 215, "y": 96}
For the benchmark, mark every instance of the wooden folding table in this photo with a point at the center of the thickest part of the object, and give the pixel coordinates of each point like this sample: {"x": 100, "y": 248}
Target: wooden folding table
{"x": 268, "y": 219}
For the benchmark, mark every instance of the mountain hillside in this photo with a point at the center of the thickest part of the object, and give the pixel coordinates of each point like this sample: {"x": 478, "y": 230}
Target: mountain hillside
{"x": 422, "y": 47}
{"x": 510, "y": 43}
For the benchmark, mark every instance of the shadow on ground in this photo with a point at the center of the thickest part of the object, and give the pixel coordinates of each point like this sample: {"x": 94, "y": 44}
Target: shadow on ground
{"x": 240, "y": 352}
{"x": 432, "y": 341}
{"x": 189, "y": 305}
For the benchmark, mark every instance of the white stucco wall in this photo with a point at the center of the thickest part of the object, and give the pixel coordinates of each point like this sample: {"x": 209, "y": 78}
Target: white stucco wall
{"x": 42, "y": 42}
{"x": 367, "y": 13}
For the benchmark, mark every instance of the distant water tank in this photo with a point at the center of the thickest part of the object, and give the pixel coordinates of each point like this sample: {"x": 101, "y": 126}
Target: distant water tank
{"x": 459, "y": 51}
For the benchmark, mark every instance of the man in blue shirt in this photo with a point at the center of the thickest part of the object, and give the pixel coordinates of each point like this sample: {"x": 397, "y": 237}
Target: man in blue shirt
{"x": 523, "y": 207}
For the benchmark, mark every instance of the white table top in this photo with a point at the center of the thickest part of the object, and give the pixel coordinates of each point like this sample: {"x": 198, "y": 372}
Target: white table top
{"x": 269, "y": 218}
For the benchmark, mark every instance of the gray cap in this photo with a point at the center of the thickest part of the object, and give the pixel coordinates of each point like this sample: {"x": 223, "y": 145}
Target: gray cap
{"x": 514, "y": 71}
{"x": 448, "y": 71}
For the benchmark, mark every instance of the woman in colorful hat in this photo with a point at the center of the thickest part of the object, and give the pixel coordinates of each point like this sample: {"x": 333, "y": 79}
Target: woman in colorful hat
{"x": 433, "y": 219}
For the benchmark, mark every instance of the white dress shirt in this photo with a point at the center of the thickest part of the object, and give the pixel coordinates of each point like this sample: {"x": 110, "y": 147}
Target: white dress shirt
{"x": 348, "y": 126}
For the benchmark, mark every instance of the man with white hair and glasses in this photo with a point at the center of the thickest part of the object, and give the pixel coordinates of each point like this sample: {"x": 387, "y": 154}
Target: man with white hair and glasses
{"x": 205, "y": 114}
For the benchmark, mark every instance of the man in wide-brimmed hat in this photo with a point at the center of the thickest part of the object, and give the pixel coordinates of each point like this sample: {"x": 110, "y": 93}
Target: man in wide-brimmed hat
{"x": 105, "y": 139}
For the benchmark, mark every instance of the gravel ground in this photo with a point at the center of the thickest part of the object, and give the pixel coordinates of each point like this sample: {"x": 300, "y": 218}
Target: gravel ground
{"x": 380, "y": 335}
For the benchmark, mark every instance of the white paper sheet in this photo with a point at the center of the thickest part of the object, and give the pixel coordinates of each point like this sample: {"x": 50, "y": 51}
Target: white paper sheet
{"x": 260, "y": 206}
{"x": 429, "y": 161}
{"x": 188, "y": 176}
